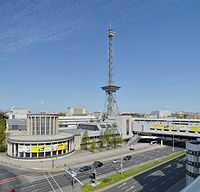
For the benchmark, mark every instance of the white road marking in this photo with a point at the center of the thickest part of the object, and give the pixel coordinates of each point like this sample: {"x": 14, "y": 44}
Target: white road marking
{"x": 124, "y": 187}
{"x": 153, "y": 188}
{"x": 129, "y": 188}
{"x": 49, "y": 182}
{"x": 121, "y": 185}
{"x": 55, "y": 181}
{"x": 154, "y": 179}
{"x": 163, "y": 182}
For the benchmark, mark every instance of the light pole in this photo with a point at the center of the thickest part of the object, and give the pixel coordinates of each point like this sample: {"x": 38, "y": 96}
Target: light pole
{"x": 121, "y": 153}
{"x": 173, "y": 143}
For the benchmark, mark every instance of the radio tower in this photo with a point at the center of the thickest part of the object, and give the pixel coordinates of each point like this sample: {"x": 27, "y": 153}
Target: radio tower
{"x": 110, "y": 89}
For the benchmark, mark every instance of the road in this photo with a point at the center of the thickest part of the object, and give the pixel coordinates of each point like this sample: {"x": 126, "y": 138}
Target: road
{"x": 168, "y": 177}
{"x": 61, "y": 180}
{"x": 7, "y": 173}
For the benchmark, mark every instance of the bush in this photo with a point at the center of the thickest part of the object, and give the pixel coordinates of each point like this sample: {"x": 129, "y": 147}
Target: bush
{"x": 2, "y": 134}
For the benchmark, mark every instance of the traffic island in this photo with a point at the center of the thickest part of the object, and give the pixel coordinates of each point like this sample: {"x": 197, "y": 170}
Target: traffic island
{"x": 118, "y": 176}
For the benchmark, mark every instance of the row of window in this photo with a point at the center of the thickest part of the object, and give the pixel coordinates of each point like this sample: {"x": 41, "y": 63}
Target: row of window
{"x": 192, "y": 174}
{"x": 195, "y": 153}
{"x": 174, "y": 130}
{"x": 47, "y": 154}
{"x": 194, "y": 164}
{"x": 167, "y": 121}
{"x": 42, "y": 121}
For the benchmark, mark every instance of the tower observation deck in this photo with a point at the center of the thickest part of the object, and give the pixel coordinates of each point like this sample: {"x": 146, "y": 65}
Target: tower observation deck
{"x": 110, "y": 89}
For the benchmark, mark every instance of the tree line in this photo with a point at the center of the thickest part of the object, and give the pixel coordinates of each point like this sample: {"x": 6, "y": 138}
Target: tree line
{"x": 109, "y": 138}
{"x": 2, "y": 134}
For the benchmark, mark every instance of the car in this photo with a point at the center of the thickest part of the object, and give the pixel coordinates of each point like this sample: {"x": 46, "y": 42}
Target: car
{"x": 116, "y": 161}
{"x": 97, "y": 164}
{"x": 10, "y": 190}
{"x": 84, "y": 168}
{"x": 128, "y": 157}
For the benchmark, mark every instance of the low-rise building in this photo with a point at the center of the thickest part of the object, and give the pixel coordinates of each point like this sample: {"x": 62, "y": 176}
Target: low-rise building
{"x": 17, "y": 113}
{"x": 41, "y": 139}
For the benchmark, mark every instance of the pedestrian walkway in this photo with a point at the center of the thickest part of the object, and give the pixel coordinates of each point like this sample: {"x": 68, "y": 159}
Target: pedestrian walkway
{"x": 74, "y": 160}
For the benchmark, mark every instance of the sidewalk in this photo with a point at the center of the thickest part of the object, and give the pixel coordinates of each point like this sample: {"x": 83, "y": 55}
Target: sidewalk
{"x": 74, "y": 160}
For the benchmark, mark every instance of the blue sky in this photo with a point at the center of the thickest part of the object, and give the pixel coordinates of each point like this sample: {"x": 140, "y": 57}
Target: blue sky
{"x": 57, "y": 51}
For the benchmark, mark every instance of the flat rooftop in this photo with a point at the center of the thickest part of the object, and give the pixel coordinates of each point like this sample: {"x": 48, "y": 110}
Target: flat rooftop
{"x": 23, "y": 137}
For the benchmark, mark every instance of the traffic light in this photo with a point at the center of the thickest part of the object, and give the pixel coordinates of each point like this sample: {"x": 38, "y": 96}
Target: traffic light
{"x": 94, "y": 175}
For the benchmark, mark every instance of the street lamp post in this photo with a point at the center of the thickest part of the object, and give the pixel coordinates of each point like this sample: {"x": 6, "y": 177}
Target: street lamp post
{"x": 173, "y": 143}
{"x": 121, "y": 153}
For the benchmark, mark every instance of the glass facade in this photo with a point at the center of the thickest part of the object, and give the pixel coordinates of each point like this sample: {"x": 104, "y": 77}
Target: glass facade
{"x": 127, "y": 127}
{"x": 38, "y": 125}
{"x": 47, "y": 125}
{"x": 42, "y": 125}
{"x": 52, "y": 126}
{"x": 33, "y": 126}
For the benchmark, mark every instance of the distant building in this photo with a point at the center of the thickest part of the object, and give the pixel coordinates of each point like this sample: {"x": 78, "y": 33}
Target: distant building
{"x": 188, "y": 115}
{"x": 17, "y": 113}
{"x": 73, "y": 111}
{"x": 73, "y": 121}
{"x": 99, "y": 115}
{"x": 94, "y": 129}
{"x": 16, "y": 124}
{"x": 160, "y": 114}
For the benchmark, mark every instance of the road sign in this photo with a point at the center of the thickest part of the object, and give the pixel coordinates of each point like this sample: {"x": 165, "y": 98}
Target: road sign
{"x": 74, "y": 173}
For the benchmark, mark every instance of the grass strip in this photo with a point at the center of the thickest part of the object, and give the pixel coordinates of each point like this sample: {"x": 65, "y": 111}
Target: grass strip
{"x": 116, "y": 177}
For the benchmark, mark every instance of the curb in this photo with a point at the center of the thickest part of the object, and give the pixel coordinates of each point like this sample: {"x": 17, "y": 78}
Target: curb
{"x": 122, "y": 180}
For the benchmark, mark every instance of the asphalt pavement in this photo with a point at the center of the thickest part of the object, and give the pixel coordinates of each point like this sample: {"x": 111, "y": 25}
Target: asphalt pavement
{"x": 60, "y": 180}
{"x": 168, "y": 177}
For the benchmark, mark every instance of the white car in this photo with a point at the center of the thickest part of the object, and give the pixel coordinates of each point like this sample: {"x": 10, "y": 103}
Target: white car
{"x": 116, "y": 161}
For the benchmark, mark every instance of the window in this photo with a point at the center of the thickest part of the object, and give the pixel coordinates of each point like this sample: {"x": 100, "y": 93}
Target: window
{"x": 38, "y": 125}
{"x": 52, "y": 126}
{"x": 33, "y": 126}
{"x": 127, "y": 127}
{"x": 47, "y": 125}
{"x": 42, "y": 125}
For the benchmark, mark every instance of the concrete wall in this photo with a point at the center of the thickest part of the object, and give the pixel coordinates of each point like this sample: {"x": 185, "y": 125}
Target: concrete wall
{"x": 77, "y": 142}
{"x": 124, "y": 123}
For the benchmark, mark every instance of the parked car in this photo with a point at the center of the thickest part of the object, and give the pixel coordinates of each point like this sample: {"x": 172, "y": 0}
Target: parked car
{"x": 97, "y": 164}
{"x": 84, "y": 168}
{"x": 10, "y": 190}
{"x": 116, "y": 161}
{"x": 128, "y": 157}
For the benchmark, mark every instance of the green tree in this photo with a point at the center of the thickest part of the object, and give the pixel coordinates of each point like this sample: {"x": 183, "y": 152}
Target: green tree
{"x": 61, "y": 114}
{"x": 93, "y": 144}
{"x": 120, "y": 140}
{"x": 2, "y": 115}
{"x": 2, "y": 134}
{"x": 115, "y": 136}
{"x": 101, "y": 140}
{"x": 85, "y": 139}
{"x": 107, "y": 137}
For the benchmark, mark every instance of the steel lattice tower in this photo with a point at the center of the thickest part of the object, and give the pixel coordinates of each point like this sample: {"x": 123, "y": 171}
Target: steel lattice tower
{"x": 110, "y": 89}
